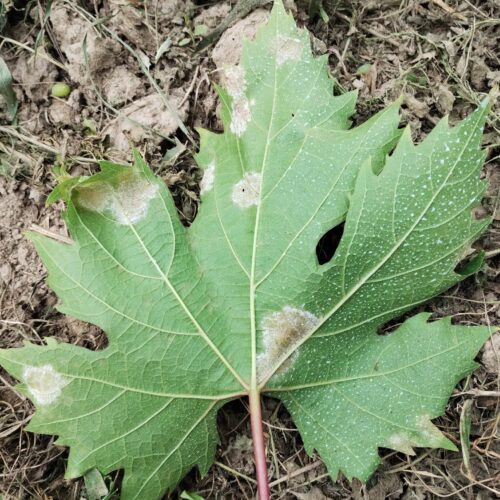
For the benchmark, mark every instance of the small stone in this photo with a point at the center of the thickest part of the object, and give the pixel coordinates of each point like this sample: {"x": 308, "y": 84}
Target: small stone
{"x": 491, "y": 354}
{"x": 445, "y": 99}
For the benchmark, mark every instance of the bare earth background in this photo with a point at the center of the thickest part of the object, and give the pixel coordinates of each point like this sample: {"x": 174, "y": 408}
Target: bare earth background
{"x": 441, "y": 55}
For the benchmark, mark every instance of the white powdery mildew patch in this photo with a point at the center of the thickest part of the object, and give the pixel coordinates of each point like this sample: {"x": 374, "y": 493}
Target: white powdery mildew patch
{"x": 128, "y": 202}
{"x": 44, "y": 383}
{"x": 247, "y": 191}
{"x": 240, "y": 116}
{"x": 280, "y": 332}
{"x": 234, "y": 77}
{"x": 236, "y": 85}
{"x": 131, "y": 201}
{"x": 287, "y": 49}
{"x": 401, "y": 442}
{"x": 429, "y": 431}
{"x": 95, "y": 197}
{"x": 207, "y": 183}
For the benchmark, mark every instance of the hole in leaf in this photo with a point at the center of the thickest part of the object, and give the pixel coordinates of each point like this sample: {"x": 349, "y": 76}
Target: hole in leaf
{"x": 389, "y": 327}
{"x": 471, "y": 266}
{"x": 327, "y": 245}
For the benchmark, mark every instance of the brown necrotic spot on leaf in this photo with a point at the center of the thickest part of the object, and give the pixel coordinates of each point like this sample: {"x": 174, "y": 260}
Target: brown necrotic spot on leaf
{"x": 247, "y": 191}
{"x": 44, "y": 383}
{"x": 280, "y": 331}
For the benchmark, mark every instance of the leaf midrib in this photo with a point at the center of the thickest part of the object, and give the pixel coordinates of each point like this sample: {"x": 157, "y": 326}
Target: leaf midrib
{"x": 252, "y": 287}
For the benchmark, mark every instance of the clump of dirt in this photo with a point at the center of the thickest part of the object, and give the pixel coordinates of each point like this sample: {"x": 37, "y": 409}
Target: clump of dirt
{"x": 84, "y": 49}
{"x": 65, "y": 112}
{"x": 227, "y": 51}
{"x": 26, "y": 300}
{"x": 491, "y": 355}
{"x": 121, "y": 86}
{"x": 140, "y": 119}
{"x": 440, "y": 55}
{"x": 35, "y": 73}
{"x": 213, "y": 15}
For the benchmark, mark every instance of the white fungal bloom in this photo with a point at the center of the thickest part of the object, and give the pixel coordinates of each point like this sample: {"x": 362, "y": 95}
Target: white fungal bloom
{"x": 430, "y": 432}
{"x": 44, "y": 383}
{"x": 234, "y": 77}
{"x": 401, "y": 442}
{"x": 281, "y": 331}
{"x": 240, "y": 116}
{"x": 207, "y": 183}
{"x": 132, "y": 199}
{"x": 287, "y": 49}
{"x": 247, "y": 191}
{"x": 236, "y": 85}
{"x": 95, "y": 197}
{"x": 128, "y": 202}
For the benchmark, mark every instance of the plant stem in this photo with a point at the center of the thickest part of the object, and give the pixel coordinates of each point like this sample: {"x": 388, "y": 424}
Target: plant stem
{"x": 259, "y": 447}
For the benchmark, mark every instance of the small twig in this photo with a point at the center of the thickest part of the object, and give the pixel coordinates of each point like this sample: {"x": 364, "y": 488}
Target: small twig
{"x": 402, "y": 468}
{"x": 483, "y": 451}
{"x": 386, "y": 38}
{"x": 14, "y": 133}
{"x": 51, "y": 234}
{"x": 18, "y": 323}
{"x": 478, "y": 392}
{"x": 41, "y": 145}
{"x": 492, "y": 253}
{"x": 15, "y": 427}
{"x": 448, "y": 9}
{"x": 43, "y": 55}
{"x": 296, "y": 473}
{"x": 235, "y": 472}
{"x": 341, "y": 60}
{"x": 463, "y": 488}
{"x": 191, "y": 87}
{"x": 420, "y": 473}
{"x": 469, "y": 49}
{"x": 16, "y": 154}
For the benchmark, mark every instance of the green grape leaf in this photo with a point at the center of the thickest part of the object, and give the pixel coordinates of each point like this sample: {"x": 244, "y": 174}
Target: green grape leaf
{"x": 239, "y": 304}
